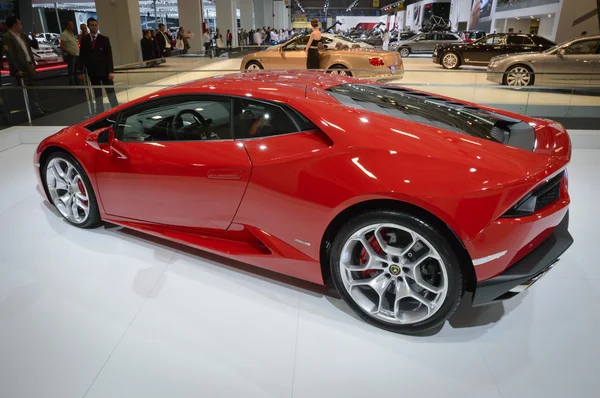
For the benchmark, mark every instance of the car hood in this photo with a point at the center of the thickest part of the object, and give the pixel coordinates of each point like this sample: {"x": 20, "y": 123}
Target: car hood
{"x": 527, "y": 55}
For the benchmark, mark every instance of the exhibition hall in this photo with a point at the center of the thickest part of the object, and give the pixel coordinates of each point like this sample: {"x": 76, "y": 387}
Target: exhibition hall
{"x": 299, "y": 198}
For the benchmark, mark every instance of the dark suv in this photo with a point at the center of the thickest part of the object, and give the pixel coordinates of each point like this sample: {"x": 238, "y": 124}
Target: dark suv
{"x": 480, "y": 53}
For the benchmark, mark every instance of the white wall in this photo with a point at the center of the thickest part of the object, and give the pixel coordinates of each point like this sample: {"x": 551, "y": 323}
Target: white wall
{"x": 400, "y": 19}
{"x": 459, "y": 12}
{"x": 569, "y": 14}
{"x": 517, "y": 25}
{"x": 281, "y": 20}
{"x": 547, "y": 27}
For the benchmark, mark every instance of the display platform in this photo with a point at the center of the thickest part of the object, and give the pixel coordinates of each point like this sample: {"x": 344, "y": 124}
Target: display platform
{"x": 111, "y": 313}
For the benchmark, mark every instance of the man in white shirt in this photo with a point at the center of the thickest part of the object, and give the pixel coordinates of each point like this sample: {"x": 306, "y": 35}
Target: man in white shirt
{"x": 257, "y": 38}
{"x": 68, "y": 43}
{"x": 274, "y": 36}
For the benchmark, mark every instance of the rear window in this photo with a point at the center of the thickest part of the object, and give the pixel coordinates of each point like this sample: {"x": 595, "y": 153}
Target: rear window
{"x": 542, "y": 41}
{"x": 417, "y": 107}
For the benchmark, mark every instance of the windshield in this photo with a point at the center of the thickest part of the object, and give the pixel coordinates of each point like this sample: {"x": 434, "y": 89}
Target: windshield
{"x": 342, "y": 37}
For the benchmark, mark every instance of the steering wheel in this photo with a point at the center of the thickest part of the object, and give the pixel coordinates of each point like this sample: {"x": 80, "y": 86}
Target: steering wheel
{"x": 177, "y": 126}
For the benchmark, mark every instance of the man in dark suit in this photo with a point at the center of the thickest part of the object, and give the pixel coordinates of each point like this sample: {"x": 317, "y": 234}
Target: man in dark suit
{"x": 96, "y": 54}
{"x": 164, "y": 41}
{"x": 17, "y": 47}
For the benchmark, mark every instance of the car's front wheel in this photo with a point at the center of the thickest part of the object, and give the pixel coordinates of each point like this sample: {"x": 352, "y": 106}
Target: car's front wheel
{"x": 451, "y": 60}
{"x": 404, "y": 52}
{"x": 70, "y": 190}
{"x": 396, "y": 271}
{"x": 519, "y": 76}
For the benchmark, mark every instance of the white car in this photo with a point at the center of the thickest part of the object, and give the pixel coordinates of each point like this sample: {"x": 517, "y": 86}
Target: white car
{"x": 46, "y": 55}
{"x": 330, "y": 40}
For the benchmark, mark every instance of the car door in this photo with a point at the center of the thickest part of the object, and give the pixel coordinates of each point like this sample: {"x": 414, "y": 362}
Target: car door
{"x": 290, "y": 56}
{"x": 573, "y": 63}
{"x": 173, "y": 161}
{"x": 425, "y": 43}
{"x": 417, "y": 43}
{"x": 480, "y": 52}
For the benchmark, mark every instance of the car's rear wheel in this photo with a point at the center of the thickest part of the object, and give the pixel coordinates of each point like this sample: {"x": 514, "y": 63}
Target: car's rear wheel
{"x": 254, "y": 66}
{"x": 396, "y": 271}
{"x": 404, "y": 52}
{"x": 519, "y": 75}
{"x": 70, "y": 190}
{"x": 451, "y": 60}
{"x": 339, "y": 70}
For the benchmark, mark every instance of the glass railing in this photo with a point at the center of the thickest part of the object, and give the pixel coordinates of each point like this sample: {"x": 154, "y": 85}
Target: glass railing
{"x": 50, "y": 105}
{"x": 508, "y": 5}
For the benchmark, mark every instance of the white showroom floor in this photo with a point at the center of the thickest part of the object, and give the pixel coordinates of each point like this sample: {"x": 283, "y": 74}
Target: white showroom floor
{"x": 111, "y": 313}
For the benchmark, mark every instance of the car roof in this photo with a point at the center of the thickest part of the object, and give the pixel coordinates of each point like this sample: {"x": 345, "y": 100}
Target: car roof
{"x": 277, "y": 83}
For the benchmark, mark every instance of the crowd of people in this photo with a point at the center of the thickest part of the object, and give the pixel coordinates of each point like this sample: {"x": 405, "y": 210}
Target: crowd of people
{"x": 161, "y": 43}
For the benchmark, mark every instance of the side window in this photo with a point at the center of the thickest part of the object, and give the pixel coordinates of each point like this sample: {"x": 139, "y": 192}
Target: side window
{"x": 491, "y": 40}
{"x": 297, "y": 45}
{"x": 583, "y": 47}
{"x": 430, "y": 36}
{"x": 255, "y": 119}
{"x": 177, "y": 119}
{"x": 528, "y": 41}
{"x": 514, "y": 40}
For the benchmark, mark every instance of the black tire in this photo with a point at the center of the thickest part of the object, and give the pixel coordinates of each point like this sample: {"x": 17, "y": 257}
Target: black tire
{"x": 448, "y": 54}
{"x": 456, "y": 281}
{"x": 93, "y": 220}
{"x": 404, "y": 51}
{"x": 254, "y": 63}
{"x": 339, "y": 70}
{"x": 512, "y": 69}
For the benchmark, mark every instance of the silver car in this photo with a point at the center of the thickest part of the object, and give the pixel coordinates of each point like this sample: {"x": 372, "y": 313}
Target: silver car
{"x": 425, "y": 42}
{"x": 574, "y": 63}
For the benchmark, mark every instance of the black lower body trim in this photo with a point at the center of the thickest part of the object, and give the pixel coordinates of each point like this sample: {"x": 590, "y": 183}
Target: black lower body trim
{"x": 526, "y": 271}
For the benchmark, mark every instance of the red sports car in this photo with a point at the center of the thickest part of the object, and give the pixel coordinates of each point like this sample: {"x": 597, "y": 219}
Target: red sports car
{"x": 402, "y": 199}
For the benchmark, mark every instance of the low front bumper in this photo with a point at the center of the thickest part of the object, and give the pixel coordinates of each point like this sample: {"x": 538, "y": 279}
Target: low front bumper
{"x": 526, "y": 271}
{"x": 495, "y": 76}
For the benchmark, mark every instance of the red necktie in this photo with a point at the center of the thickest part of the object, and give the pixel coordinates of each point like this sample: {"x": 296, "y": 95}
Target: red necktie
{"x": 93, "y": 42}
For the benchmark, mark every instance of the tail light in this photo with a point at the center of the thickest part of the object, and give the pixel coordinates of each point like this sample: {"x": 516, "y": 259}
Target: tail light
{"x": 376, "y": 61}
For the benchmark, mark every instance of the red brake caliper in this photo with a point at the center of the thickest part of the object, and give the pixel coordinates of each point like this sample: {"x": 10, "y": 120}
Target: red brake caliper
{"x": 364, "y": 256}
{"x": 82, "y": 190}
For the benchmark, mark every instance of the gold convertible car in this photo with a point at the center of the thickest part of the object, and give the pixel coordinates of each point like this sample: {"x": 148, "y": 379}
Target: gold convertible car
{"x": 342, "y": 60}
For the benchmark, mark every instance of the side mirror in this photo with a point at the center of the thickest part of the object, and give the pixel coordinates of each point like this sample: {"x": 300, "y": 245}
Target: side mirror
{"x": 100, "y": 137}
{"x": 562, "y": 52}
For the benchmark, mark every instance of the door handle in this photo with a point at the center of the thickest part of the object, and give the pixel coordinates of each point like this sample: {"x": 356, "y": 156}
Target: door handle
{"x": 224, "y": 174}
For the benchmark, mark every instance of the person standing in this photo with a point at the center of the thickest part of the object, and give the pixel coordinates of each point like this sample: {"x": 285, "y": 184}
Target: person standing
{"x": 257, "y": 39}
{"x": 148, "y": 46}
{"x": 386, "y": 40}
{"x": 229, "y": 38}
{"x": 17, "y": 47}
{"x": 83, "y": 32}
{"x": 96, "y": 55}
{"x": 207, "y": 43}
{"x": 164, "y": 41}
{"x": 68, "y": 43}
{"x": 181, "y": 35}
{"x": 312, "y": 47}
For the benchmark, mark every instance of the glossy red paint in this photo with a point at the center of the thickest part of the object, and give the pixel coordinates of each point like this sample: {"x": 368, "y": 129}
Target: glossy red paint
{"x": 268, "y": 201}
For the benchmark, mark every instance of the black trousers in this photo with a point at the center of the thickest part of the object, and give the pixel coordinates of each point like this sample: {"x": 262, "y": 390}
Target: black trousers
{"x": 167, "y": 53}
{"x": 228, "y": 43}
{"x": 110, "y": 92}
{"x": 208, "y": 50}
{"x": 71, "y": 61}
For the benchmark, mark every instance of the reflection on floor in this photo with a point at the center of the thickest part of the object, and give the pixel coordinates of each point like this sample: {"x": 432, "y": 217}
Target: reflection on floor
{"x": 111, "y": 313}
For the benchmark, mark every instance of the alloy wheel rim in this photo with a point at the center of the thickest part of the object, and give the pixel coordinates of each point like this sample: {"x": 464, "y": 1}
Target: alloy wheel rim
{"x": 450, "y": 60}
{"x": 393, "y": 274}
{"x": 253, "y": 67}
{"x": 518, "y": 76}
{"x": 404, "y": 52}
{"x": 340, "y": 72}
{"x": 67, "y": 190}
